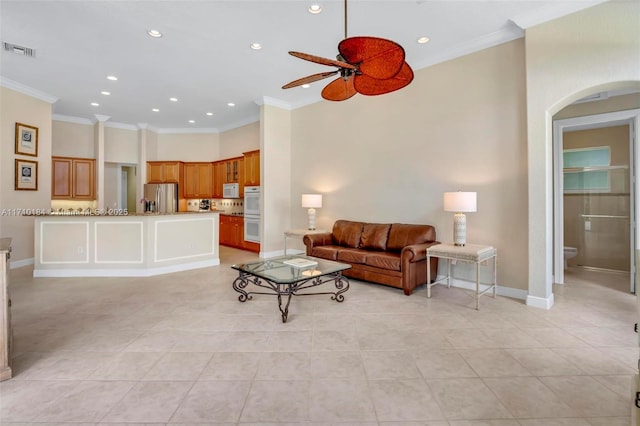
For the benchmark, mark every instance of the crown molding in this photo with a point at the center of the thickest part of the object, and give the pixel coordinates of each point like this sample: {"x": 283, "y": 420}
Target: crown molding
{"x": 101, "y": 118}
{"x": 122, "y": 126}
{"x": 508, "y": 33}
{"x": 267, "y": 100}
{"x": 552, "y": 11}
{"x": 240, "y": 123}
{"x": 186, "y": 131}
{"x": 26, "y": 90}
{"x": 71, "y": 119}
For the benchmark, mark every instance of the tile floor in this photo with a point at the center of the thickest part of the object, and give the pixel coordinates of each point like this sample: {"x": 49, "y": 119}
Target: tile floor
{"x": 181, "y": 349}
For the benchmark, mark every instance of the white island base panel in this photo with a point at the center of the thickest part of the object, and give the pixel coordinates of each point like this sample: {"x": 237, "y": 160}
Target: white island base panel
{"x": 124, "y": 246}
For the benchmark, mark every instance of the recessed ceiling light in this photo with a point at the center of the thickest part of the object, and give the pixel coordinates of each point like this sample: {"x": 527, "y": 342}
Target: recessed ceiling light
{"x": 315, "y": 9}
{"x": 173, "y": 99}
{"x": 306, "y": 86}
{"x": 209, "y": 113}
{"x": 104, "y": 92}
{"x": 423, "y": 40}
{"x": 192, "y": 121}
{"x": 154, "y": 33}
{"x": 231, "y": 104}
{"x": 256, "y": 46}
{"x": 112, "y": 78}
{"x": 95, "y": 104}
{"x": 155, "y": 110}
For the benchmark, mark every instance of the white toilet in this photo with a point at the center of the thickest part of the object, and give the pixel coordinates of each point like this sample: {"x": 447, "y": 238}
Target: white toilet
{"x": 569, "y": 253}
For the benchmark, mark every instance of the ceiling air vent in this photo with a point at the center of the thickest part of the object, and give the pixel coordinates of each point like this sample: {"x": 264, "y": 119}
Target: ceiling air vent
{"x": 19, "y": 50}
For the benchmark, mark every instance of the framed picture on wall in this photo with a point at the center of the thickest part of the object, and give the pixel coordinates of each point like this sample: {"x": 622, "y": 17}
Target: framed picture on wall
{"x": 26, "y": 140}
{"x": 26, "y": 175}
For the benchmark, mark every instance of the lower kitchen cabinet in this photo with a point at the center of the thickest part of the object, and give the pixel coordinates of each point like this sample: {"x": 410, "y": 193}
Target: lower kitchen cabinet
{"x": 232, "y": 233}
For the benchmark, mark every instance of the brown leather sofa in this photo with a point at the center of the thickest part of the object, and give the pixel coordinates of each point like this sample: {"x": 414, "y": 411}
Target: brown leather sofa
{"x": 391, "y": 254}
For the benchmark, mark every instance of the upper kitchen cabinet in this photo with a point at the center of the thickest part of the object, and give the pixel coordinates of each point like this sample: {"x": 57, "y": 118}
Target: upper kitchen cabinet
{"x": 252, "y": 168}
{"x": 198, "y": 180}
{"x": 219, "y": 175}
{"x": 164, "y": 171}
{"x": 73, "y": 178}
{"x": 234, "y": 169}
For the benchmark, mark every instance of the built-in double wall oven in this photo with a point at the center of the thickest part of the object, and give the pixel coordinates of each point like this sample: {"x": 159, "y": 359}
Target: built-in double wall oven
{"x": 252, "y": 213}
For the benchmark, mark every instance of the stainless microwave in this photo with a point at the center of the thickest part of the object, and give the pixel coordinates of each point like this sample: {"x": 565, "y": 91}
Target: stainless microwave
{"x": 231, "y": 190}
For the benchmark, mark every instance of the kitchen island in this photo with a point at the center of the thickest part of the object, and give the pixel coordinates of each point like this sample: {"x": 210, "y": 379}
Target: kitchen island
{"x": 85, "y": 245}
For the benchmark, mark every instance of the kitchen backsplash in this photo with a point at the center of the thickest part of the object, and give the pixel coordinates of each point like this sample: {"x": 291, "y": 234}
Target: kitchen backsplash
{"x": 229, "y": 205}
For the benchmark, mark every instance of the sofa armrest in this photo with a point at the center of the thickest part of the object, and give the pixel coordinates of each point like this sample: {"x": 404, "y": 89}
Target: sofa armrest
{"x": 316, "y": 240}
{"x": 413, "y": 263}
{"x": 416, "y": 252}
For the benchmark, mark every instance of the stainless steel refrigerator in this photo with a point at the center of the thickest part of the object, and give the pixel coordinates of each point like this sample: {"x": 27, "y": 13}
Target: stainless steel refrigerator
{"x": 164, "y": 195}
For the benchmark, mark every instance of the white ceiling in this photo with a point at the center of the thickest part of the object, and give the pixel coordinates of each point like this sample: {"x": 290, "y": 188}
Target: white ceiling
{"x": 204, "y": 58}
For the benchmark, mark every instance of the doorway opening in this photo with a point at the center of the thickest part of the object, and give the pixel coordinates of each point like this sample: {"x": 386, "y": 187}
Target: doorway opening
{"x": 595, "y": 196}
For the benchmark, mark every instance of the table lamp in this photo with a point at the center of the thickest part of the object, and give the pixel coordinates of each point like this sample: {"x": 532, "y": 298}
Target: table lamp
{"x": 312, "y": 202}
{"x": 460, "y": 203}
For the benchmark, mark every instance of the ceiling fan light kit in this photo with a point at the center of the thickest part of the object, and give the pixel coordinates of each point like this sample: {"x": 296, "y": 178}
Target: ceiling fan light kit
{"x": 367, "y": 65}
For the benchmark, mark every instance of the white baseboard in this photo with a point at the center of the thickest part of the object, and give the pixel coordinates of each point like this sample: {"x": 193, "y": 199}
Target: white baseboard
{"x": 540, "y": 302}
{"x": 513, "y": 293}
{"x": 149, "y": 272}
{"x": 20, "y": 263}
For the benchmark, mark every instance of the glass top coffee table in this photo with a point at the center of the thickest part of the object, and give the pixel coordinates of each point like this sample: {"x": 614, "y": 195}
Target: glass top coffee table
{"x": 290, "y": 276}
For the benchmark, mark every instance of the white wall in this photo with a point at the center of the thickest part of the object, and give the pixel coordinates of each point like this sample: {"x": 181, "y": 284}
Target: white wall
{"x": 242, "y": 139}
{"x": 15, "y": 108}
{"x": 460, "y": 125}
{"x": 275, "y": 157}
{"x": 594, "y": 50}
{"x": 120, "y": 145}
{"x": 73, "y": 139}
{"x": 184, "y": 147}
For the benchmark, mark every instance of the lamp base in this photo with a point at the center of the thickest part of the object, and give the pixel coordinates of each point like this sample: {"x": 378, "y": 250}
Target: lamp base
{"x": 312, "y": 219}
{"x": 459, "y": 229}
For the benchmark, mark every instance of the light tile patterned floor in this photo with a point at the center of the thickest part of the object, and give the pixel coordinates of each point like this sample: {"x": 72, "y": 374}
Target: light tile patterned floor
{"x": 181, "y": 349}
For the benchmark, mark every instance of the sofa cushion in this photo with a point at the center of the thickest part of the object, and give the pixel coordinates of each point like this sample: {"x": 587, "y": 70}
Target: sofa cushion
{"x": 374, "y": 236}
{"x": 350, "y": 255}
{"x": 384, "y": 260}
{"x": 347, "y": 233}
{"x": 402, "y": 235}
{"x": 325, "y": 252}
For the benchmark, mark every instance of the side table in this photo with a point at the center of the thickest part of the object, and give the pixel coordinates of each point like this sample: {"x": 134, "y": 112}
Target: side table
{"x": 299, "y": 233}
{"x": 470, "y": 253}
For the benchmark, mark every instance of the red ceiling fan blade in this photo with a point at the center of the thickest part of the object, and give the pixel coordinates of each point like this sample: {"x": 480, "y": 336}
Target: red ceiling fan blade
{"x": 370, "y": 86}
{"x": 339, "y": 89}
{"x": 376, "y": 57}
{"x": 323, "y": 61}
{"x": 309, "y": 79}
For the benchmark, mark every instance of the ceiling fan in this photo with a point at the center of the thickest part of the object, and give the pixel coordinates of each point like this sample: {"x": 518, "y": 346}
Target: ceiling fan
{"x": 367, "y": 65}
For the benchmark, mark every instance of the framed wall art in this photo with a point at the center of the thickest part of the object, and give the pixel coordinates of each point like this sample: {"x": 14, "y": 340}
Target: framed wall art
{"x": 26, "y": 140}
{"x": 26, "y": 175}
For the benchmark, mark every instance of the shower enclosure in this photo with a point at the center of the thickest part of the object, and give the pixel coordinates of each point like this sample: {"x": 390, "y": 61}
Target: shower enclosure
{"x": 597, "y": 196}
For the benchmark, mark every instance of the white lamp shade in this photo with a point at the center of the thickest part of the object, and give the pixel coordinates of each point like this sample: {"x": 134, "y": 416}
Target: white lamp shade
{"x": 312, "y": 201}
{"x": 460, "y": 202}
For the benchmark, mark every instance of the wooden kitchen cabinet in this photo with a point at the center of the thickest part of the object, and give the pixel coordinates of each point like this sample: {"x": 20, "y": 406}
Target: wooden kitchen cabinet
{"x": 219, "y": 171}
{"x": 197, "y": 180}
{"x": 232, "y": 231}
{"x": 252, "y": 168}
{"x": 73, "y": 178}
{"x": 164, "y": 171}
{"x": 234, "y": 169}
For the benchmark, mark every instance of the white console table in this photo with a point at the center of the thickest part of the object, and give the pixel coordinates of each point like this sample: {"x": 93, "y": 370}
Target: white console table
{"x": 470, "y": 253}
{"x": 299, "y": 233}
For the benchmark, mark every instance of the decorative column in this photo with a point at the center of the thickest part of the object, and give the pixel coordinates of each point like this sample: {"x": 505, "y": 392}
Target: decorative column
{"x": 99, "y": 153}
{"x": 141, "y": 177}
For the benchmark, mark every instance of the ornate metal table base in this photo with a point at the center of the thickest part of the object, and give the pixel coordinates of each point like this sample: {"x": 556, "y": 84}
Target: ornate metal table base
{"x": 289, "y": 289}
